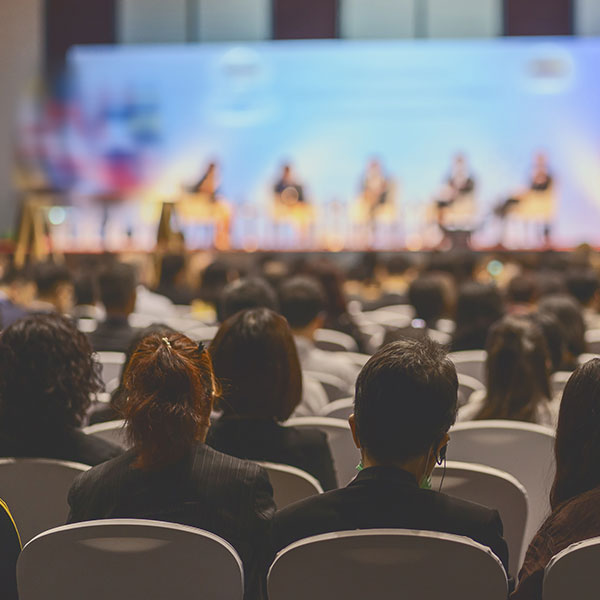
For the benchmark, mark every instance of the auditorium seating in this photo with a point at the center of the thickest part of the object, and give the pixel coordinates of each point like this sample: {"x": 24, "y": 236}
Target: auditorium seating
{"x": 471, "y": 363}
{"x": 334, "y": 341}
{"x": 466, "y": 386}
{"x": 573, "y": 573}
{"x": 340, "y": 409}
{"x": 290, "y": 484}
{"x": 36, "y": 491}
{"x": 386, "y": 564}
{"x": 111, "y": 431}
{"x": 558, "y": 381}
{"x": 112, "y": 363}
{"x": 334, "y": 387}
{"x": 592, "y": 338}
{"x": 129, "y": 559}
{"x": 489, "y": 487}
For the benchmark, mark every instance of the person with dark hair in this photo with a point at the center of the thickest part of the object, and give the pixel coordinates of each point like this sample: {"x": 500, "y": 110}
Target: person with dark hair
{"x": 55, "y": 290}
{"x": 569, "y": 315}
{"x": 584, "y": 286}
{"x": 117, "y": 284}
{"x": 245, "y": 293}
{"x": 405, "y": 403}
{"x": 575, "y": 494}
{"x": 255, "y": 358}
{"x": 302, "y": 302}
{"x": 427, "y": 296}
{"x": 172, "y": 283}
{"x": 170, "y": 473}
{"x": 10, "y": 548}
{"x": 17, "y": 291}
{"x": 522, "y": 294}
{"x": 213, "y": 280}
{"x": 553, "y": 335}
{"x": 47, "y": 377}
{"x": 478, "y": 307}
{"x": 87, "y": 297}
{"x": 517, "y": 374}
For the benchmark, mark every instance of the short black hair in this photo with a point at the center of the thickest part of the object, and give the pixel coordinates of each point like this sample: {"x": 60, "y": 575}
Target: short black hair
{"x": 170, "y": 267}
{"x": 406, "y": 399}
{"x": 117, "y": 284}
{"x": 522, "y": 289}
{"x": 245, "y": 293}
{"x": 426, "y": 294}
{"x": 48, "y": 276}
{"x": 301, "y": 299}
{"x": 583, "y": 284}
{"x": 13, "y": 274}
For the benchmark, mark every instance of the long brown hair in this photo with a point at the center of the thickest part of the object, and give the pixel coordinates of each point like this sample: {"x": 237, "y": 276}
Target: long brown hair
{"x": 170, "y": 385}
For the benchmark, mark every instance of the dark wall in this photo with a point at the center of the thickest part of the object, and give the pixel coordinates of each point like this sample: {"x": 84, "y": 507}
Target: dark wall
{"x": 538, "y": 17}
{"x": 304, "y": 19}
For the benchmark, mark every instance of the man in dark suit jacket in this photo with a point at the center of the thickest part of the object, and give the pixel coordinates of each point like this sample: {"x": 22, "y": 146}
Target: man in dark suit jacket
{"x": 405, "y": 403}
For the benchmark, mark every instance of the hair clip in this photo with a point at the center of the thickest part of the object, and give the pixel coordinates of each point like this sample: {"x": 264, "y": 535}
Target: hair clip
{"x": 167, "y": 342}
{"x": 201, "y": 347}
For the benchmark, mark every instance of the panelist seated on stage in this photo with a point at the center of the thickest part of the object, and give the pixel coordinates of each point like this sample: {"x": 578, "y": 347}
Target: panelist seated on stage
{"x": 376, "y": 193}
{"x": 209, "y": 183}
{"x": 288, "y": 190}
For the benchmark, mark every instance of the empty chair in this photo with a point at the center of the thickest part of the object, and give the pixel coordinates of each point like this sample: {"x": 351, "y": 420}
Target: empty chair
{"x": 386, "y": 564}
{"x": 524, "y": 450}
{"x": 573, "y": 573}
{"x": 290, "y": 484}
{"x": 558, "y": 381}
{"x": 470, "y": 362}
{"x": 129, "y": 559}
{"x": 112, "y": 363}
{"x": 36, "y": 490}
{"x": 466, "y": 386}
{"x": 492, "y": 488}
{"x": 111, "y": 431}
{"x": 345, "y": 454}
{"x": 334, "y": 387}
{"x": 334, "y": 341}
{"x": 340, "y": 409}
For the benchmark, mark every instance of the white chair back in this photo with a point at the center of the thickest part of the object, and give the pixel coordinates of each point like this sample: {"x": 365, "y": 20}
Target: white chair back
{"x": 345, "y": 454}
{"x": 573, "y": 573}
{"x": 558, "y": 381}
{"x": 129, "y": 559}
{"x": 470, "y": 362}
{"x": 492, "y": 488}
{"x": 357, "y": 359}
{"x": 111, "y": 431}
{"x": 524, "y": 450}
{"x": 203, "y": 333}
{"x": 334, "y": 387}
{"x": 112, "y": 363}
{"x": 466, "y": 386}
{"x": 290, "y": 484}
{"x": 386, "y": 564}
{"x": 334, "y": 341}
{"x": 340, "y": 409}
{"x": 592, "y": 338}
{"x": 36, "y": 491}
{"x": 583, "y": 358}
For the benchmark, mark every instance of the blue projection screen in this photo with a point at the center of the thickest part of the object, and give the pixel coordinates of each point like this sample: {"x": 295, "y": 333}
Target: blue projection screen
{"x": 327, "y": 107}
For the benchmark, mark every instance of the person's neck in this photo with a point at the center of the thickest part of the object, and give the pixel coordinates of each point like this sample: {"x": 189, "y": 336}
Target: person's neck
{"x": 415, "y": 466}
{"x": 307, "y": 333}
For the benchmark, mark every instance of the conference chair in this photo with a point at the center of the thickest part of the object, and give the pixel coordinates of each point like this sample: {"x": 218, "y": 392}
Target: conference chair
{"x": 203, "y": 333}
{"x": 583, "y": 358}
{"x": 592, "y": 338}
{"x": 111, "y": 431}
{"x": 334, "y": 341}
{"x": 573, "y": 573}
{"x": 334, "y": 387}
{"x": 290, "y": 484}
{"x": 340, "y": 409}
{"x": 356, "y": 359}
{"x": 386, "y": 564}
{"x": 524, "y": 450}
{"x": 112, "y": 363}
{"x": 129, "y": 559}
{"x": 470, "y": 362}
{"x": 558, "y": 381}
{"x": 467, "y": 385}
{"x": 36, "y": 490}
{"x": 492, "y": 488}
{"x": 345, "y": 454}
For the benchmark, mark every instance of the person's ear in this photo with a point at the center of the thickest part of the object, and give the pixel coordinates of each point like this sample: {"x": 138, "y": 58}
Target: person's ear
{"x": 352, "y": 422}
{"x": 442, "y": 443}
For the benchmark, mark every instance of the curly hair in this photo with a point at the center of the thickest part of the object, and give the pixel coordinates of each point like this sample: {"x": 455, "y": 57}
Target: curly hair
{"x": 47, "y": 374}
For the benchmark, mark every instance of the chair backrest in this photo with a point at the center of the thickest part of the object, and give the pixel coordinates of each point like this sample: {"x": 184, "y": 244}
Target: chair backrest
{"x": 386, "y": 564}
{"x": 583, "y": 358}
{"x": 129, "y": 559}
{"x": 334, "y": 387}
{"x": 111, "y": 431}
{"x": 592, "y": 337}
{"x": 558, "y": 382}
{"x": 357, "y": 359}
{"x": 492, "y": 488}
{"x": 466, "y": 386}
{"x": 334, "y": 341}
{"x": 345, "y": 454}
{"x": 203, "y": 333}
{"x": 573, "y": 573}
{"x": 340, "y": 409}
{"x": 290, "y": 484}
{"x": 36, "y": 490}
{"x": 470, "y": 362}
{"x": 112, "y": 363}
{"x": 524, "y": 450}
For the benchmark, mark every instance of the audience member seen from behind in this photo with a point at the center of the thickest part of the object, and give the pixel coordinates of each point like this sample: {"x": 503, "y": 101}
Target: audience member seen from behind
{"x": 553, "y": 334}
{"x": 55, "y": 289}
{"x": 117, "y": 284}
{"x": 213, "y": 280}
{"x": 478, "y": 307}
{"x": 170, "y": 474}
{"x": 569, "y": 315}
{"x": 17, "y": 292}
{"x": 302, "y": 302}
{"x": 10, "y": 548}
{"x": 575, "y": 494}
{"x": 427, "y": 296}
{"x": 245, "y": 293}
{"x": 255, "y": 359}
{"x": 172, "y": 281}
{"x": 405, "y": 403}
{"x": 584, "y": 286}
{"x": 522, "y": 294}
{"x": 47, "y": 377}
{"x": 517, "y": 374}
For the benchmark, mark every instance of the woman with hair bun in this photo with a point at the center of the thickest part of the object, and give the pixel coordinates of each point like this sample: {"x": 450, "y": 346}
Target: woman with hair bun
{"x": 170, "y": 474}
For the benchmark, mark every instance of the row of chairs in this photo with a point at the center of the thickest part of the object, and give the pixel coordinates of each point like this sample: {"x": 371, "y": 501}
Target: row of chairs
{"x": 129, "y": 559}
